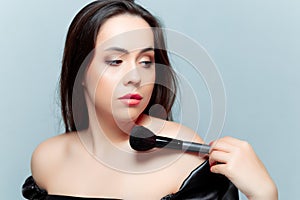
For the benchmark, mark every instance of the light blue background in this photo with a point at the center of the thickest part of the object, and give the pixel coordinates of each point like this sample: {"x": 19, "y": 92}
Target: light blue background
{"x": 255, "y": 44}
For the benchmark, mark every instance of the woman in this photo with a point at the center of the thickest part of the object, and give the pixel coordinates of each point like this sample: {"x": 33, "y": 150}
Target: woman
{"x": 115, "y": 69}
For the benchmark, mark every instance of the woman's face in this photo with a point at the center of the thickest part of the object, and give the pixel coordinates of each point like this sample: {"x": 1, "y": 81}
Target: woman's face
{"x": 120, "y": 79}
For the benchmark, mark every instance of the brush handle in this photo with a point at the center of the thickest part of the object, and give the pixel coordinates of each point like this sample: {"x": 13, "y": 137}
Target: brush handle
{"x": 195, "y": 147}
{"x": 166, "y": 142}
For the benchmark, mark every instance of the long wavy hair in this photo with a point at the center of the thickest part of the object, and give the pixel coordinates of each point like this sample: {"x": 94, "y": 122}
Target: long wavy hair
{"x": 80, "y": 42}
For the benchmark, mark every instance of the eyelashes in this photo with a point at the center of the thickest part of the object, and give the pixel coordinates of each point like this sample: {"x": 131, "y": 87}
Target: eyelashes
{"x": 114, "y": 63}
{"x": 118, "y": 62}
{"x": 146, "y": 64}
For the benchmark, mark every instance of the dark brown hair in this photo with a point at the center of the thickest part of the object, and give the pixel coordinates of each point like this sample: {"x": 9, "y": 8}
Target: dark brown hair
{"x": 80, "y": 42}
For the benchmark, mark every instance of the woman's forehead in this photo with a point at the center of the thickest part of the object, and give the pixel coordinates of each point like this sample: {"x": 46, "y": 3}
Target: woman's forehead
{"x": 125, "y": 31}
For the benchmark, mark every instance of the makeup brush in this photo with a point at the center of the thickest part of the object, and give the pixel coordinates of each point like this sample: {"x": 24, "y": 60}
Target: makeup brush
{"x": 142, "y": 139}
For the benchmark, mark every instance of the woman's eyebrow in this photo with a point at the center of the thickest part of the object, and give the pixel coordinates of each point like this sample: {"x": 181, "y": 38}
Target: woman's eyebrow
{"x": 147, "y": 49}
{"x": 125, "y": 51}
{"x": 117, "y": 49}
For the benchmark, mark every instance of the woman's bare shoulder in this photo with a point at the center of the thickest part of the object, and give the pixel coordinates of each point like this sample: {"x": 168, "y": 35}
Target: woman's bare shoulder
{"x": 173, "y": 129}
{"x": 49, "y": 155}
{"x": 183, "y": 132}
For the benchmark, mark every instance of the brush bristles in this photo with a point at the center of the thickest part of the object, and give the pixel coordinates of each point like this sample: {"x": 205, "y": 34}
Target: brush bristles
{"x": 141, "y": 139}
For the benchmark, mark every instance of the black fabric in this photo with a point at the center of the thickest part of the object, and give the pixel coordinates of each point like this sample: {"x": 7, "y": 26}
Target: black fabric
{"x": 30, "y": 190}
{"x": 204, "y": 185}
{"x": 200, "y": 184}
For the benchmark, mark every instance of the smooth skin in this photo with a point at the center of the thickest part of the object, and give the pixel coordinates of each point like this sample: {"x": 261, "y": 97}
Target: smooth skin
{"x": 98, "y": 162}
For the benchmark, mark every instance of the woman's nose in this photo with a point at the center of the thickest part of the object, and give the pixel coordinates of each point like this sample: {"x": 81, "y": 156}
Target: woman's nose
{"x": 133, "y": 76}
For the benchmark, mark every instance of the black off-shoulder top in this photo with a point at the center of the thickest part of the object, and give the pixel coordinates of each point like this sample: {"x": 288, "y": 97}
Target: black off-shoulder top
{"x": 200, "y": 184}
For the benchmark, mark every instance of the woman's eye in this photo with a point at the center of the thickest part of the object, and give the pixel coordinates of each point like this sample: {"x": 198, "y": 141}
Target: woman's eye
{"x": 113, "y": 62}
{"x": 146, "y": 64}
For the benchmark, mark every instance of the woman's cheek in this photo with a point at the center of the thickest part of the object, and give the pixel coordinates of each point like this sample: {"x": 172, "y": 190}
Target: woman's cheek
{"x": 105, "y": 89}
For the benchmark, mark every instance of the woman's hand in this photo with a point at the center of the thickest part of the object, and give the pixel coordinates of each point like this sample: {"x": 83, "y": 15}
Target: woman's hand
{"x": 238, "y": 162}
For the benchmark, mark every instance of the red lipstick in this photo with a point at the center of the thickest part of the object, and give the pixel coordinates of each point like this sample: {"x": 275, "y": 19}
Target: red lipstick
{"x": 131, "y": 99}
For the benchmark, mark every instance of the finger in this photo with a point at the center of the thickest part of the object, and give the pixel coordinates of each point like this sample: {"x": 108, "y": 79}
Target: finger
{"x": 219, "y": 169}
{"x": 221, "y": 145}
{"x": 218, "y": 157}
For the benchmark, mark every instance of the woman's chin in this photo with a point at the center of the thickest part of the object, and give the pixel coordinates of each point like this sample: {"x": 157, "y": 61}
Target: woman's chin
{"x": 127, "y": 117}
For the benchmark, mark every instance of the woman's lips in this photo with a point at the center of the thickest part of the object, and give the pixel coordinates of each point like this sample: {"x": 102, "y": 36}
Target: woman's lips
{"x": 131, "y": 99}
